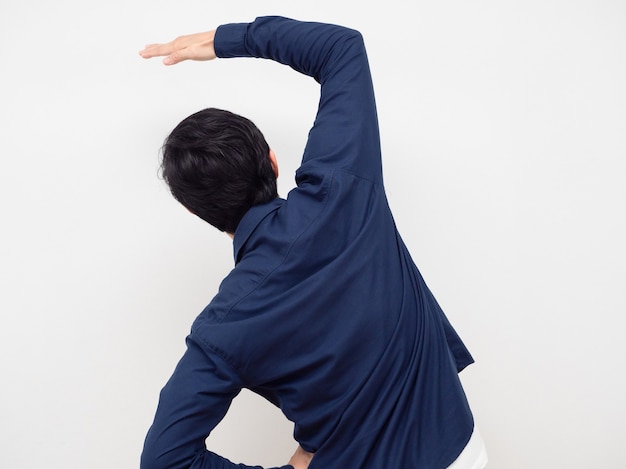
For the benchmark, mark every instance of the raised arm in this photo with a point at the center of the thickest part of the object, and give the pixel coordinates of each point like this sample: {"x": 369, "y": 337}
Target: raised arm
{"x": 345, "y": 134}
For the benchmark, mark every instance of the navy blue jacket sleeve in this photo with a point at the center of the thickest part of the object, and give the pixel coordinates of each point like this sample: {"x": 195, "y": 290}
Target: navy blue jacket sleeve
{"x": 191, "y": 404}
{"x": 345, "y": 134}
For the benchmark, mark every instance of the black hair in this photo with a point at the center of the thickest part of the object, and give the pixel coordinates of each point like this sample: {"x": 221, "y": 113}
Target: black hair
{"x": 216, "y": 163}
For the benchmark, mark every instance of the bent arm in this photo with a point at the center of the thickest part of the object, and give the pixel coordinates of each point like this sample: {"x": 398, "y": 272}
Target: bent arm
{"x": 345, "y": 134}
{"x": 191, "y": 404}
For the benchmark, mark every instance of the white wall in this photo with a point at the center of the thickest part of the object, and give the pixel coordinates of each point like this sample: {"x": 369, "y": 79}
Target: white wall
{"x": 504, "y": 135}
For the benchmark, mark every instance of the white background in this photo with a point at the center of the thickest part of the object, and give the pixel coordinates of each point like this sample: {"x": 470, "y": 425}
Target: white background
{"x": 504, "y": 138}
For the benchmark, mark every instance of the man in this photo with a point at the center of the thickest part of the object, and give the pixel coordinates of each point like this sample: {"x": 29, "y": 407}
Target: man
{"x": 324, "y": 314}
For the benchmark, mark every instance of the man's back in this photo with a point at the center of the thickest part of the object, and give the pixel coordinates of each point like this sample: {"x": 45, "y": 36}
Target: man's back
{"x": 325, "y": 313}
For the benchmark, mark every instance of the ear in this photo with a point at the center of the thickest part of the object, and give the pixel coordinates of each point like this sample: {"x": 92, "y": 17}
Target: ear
{"x": 274, "y": 162}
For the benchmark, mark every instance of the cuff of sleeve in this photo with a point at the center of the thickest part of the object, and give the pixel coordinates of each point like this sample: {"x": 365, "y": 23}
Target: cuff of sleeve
{"x": 230, "y": 39}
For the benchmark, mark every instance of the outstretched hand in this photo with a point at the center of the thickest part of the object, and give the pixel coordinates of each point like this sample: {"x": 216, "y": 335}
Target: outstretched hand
{"x": 197, "y": 46}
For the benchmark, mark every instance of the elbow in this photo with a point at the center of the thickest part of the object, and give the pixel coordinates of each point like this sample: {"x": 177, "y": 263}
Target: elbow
{"x": 353, "y": 38}
{"x": 154, "y": 457}
{"x": 342, "y": 38}
{"x": 352, "y": 43}
{"x": 151, "y": 460}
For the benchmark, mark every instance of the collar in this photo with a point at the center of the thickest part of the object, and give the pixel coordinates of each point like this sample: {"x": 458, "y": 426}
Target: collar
{"x": 250, "y": 221}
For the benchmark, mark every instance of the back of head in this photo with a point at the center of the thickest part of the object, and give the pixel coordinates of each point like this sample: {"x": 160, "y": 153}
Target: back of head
{"x": 217, "y": 164}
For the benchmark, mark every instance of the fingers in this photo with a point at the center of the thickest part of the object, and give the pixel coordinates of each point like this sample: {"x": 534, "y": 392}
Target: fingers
{"x": 197, "y": 46}
{"x": 160, "y": 50}
{"x": 178, "y": 56}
